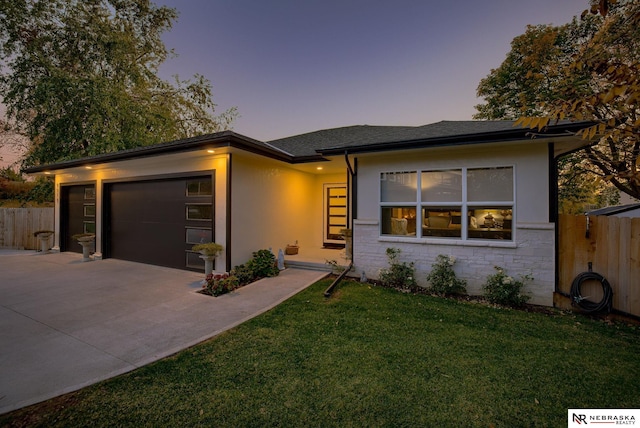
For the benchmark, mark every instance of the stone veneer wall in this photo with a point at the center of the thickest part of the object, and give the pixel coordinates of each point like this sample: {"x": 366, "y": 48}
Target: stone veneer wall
{"x": 532, "y": 253}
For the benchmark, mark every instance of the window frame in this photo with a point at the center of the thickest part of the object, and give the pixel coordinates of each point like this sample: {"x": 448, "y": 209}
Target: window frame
{"x": 466, "y": 206}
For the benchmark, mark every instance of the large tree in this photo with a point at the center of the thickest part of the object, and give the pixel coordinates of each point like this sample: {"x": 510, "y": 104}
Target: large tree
{"x": 79, "y": 78}
{"x": 532, "y": 73}
{"x": 586, "y": 71}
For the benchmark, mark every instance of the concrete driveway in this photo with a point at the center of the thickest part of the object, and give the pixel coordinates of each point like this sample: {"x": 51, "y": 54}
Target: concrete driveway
{"x": 65, "y": 324}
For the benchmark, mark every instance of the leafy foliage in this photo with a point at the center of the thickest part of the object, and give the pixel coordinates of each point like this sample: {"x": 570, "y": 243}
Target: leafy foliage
{"x": 42, "y": 191}
{"x": 443, "y": 279}
{"x": 579, "y": 190}
{"x": 584, "y": 71}
{"x": 220, "y": 283}
{"x": 505, "y": 290}
{"x": 530, "y": 74}
{"x": 79, "y": 78}
{"x": 39, "y": 191}
{"x": 262, "y": 264}
{"x": 9, "y": 174}
{"x": 401, "y": 275}
{"x": 208, "y": 248}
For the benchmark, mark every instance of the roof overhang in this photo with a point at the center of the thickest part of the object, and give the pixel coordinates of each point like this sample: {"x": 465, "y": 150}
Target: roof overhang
{"x": 565, "y": 133}
{"x": 219, "y": 140}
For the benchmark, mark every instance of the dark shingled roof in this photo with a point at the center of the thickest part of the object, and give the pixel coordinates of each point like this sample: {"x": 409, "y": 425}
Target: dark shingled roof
{"x": 308, "y": 144}
{"x": 375, "y": 138}
{"x": 314, "y": 145}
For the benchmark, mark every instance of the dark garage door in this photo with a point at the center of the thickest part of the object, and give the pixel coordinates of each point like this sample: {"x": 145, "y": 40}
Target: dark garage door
{"x": 78, "y": 214}
{"x": 157, "y": 222}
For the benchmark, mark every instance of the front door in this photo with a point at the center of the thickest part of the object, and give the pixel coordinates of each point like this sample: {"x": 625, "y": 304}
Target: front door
{"x": 335, "y": 214}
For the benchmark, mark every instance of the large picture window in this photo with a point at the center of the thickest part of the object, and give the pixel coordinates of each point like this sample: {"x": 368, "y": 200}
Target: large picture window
{"x": 465, "y": 203}
{"x": 398, "y": 200}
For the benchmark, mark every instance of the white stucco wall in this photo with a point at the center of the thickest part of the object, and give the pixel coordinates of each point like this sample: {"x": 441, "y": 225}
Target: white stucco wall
{"x": 274, "y": 205}
{"x": 532, "y": 250}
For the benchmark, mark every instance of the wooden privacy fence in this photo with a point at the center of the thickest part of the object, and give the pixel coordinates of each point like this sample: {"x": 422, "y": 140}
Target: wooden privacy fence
{"x": 612, "y": 245}
{"x": 18, "y": 224}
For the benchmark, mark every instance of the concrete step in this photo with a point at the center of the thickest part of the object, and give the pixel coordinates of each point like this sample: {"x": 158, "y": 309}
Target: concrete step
{"x": 300, "y": 264}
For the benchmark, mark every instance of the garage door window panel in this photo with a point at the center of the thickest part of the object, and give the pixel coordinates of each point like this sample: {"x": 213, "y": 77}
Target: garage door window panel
{"x": 199, "y": 187}
{"x": 199, "y": 212}
{"x": 198, "y": 236}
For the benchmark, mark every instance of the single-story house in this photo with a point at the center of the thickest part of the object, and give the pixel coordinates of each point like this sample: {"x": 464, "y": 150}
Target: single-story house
{"x": 482, "y": 191}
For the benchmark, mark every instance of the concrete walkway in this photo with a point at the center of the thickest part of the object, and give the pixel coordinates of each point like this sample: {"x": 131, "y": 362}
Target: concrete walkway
{"x": 65, "y": 324}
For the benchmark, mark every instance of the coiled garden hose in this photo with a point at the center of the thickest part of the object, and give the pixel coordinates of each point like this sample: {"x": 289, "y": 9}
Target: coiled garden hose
{"x": 587, "y": 305}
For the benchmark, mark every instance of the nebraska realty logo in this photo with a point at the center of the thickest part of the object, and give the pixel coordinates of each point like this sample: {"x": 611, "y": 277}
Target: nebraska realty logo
{"x": 581, "y": 417}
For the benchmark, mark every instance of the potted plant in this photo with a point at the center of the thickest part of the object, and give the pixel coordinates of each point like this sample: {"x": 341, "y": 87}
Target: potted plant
{"x": 86, "y": 240}
{"x": 208, "y": 251}
{"x": 43, "y": 236}
{"x": 291, "y": 249}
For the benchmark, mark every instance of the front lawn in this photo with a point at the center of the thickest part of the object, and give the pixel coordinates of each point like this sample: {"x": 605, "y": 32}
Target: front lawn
{"x": 371, "y": 356}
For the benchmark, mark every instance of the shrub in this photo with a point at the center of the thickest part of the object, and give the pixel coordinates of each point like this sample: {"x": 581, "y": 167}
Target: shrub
{"x": 243, "y": 273}
{"x": 263, "y": 264}
{"x": 220, "y": 283}
{"x": 42, "y": 191}
{"x": 399, "y": 275}
{"x": 15, "y": 189}
{"x": 505, "y": 290}
{"x": 39, "y": 191}
{"x": 443, "y": 279}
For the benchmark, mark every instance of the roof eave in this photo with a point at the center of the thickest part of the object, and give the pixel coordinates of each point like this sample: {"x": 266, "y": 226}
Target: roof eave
{"x": 516, "y": 134}
{"x": 221, "y": 139}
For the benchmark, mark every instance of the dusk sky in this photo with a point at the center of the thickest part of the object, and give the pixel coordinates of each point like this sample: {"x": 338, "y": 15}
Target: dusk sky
{"x": 296, "y": 66}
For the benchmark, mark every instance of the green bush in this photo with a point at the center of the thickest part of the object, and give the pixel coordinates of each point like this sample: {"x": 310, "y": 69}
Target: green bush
{"x": 243, "y": 273}
{"x": 217, "y": 284}
{"x": 443, "y": 279}
{"x": 399, "y": 275}
{"x": 9, "y": 174}
{"x": 15, "y": 189}
{"x": 42, "y": 191}
{"x": 505, "y": 290}
{"x": 263, "y": 264}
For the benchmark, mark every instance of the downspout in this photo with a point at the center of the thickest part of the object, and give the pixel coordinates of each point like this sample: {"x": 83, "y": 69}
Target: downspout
{"x": 228, "y": 223}
{"x": 350, "y": 203}
{"x": 554, "y": 208}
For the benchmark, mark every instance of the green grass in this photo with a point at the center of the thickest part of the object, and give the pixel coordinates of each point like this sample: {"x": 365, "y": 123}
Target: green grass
{"x": 371, "y": 357}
